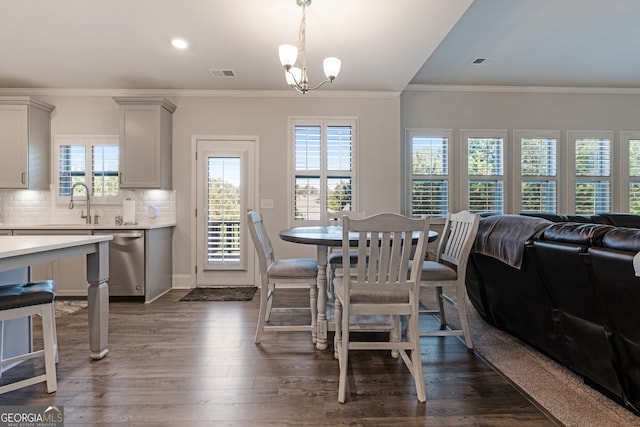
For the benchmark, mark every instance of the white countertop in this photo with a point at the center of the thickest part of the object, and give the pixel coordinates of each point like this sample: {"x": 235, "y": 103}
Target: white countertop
{"x": 11, "y": 246}
{"x": 83, "y": 226}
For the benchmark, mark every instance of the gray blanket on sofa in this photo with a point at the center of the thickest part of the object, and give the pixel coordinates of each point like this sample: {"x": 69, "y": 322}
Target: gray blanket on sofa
{"x": 503, "y": 236}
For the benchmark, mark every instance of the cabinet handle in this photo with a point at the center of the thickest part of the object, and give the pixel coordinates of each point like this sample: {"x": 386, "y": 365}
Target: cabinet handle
{"x": 120, "y": 176}
{"x": 23, "y": 178}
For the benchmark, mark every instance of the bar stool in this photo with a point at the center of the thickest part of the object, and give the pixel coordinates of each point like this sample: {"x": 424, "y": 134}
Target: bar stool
{"x": 22, "y": 300}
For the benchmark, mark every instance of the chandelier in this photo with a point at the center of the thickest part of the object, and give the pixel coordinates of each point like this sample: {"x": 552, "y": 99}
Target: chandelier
{"x": 296, "y": 77}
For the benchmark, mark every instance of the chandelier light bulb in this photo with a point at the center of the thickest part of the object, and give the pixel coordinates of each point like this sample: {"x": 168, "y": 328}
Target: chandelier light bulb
{"x": 331, "y": 67}
{"x": 288, "y": 55}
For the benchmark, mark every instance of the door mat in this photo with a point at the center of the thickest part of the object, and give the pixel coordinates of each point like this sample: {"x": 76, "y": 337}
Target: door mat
{"x": 238, "y": 293}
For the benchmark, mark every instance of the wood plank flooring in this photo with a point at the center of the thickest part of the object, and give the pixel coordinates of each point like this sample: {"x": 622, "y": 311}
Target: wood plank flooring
{"x": 177, "y": 363}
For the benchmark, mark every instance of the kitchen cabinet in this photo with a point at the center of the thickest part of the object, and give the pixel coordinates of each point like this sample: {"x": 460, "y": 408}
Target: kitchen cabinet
{"x": 25, "y": 137}
{"x": 145, "y": 142}
{"x": 70, "y": 274}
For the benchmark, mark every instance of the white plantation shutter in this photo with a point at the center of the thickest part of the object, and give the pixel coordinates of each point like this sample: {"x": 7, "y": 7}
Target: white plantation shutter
{"x": 485, "y": 169}
{"x": 538, "y": 168}
{"x": 634, "y": 176}
{"x": 71, "y": 167}
{"x": 324, "y": 169}
{"x": 429, "y": 174}
{"x": 593, "y": 175}
{"x": 105, "y": 170}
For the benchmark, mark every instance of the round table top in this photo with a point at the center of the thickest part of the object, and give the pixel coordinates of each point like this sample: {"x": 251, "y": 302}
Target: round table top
{"x": 324, "y": 235}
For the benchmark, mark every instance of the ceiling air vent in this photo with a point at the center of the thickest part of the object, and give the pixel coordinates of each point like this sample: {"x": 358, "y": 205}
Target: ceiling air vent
{"x": 216, "y": 72}
{"x": 484, "y": 61}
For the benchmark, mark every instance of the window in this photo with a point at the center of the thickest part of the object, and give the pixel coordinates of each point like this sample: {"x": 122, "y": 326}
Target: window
{"x": 223, "y": 210}
{"x": 592, "y": 156}
{"x": 631, "y": 146}
{"x": 428, "y": 166}
{"x": 538, "y": 159}
{"x": 485, "y": 170}
{"x": 89, "y": 160}
{"x": 324, "y": 168}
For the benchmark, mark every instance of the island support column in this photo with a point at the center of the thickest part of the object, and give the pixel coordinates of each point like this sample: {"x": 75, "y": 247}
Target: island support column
{"x": 98, "y": 300}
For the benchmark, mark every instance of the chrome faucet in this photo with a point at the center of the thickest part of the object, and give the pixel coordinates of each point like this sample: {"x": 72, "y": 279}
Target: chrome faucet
{"x": 88, "y": 200}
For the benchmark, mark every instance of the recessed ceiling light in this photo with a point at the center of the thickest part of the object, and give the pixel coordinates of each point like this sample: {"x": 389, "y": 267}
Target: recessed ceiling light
{"x": 180, "y": 43}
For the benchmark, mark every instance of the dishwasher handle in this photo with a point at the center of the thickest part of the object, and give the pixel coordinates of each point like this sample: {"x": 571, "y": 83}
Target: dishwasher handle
{"x": 132, "y": 235}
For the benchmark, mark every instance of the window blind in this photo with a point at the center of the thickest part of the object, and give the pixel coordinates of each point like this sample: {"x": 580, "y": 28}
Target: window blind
{"x": 593, "y": 172}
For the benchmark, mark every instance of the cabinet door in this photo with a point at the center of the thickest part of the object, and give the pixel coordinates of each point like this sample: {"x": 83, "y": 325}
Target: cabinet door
{"x": 140, "y": 150}
{"x": 14, "y": 141}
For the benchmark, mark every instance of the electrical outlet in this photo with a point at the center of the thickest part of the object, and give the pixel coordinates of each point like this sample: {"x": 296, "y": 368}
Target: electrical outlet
{"x": 266, "y": 203}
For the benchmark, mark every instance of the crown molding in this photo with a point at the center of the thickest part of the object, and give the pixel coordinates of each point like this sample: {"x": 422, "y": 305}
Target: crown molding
{"x": 524, "y": 89}
{"x": 196, "y": 93}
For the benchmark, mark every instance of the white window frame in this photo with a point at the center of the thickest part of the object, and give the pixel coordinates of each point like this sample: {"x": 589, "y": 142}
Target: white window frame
{"x": 518, "y": 136}
{"x": 465, "y": 135}
{"x": 452, "y": 155}
{"x": 88, "y": 141}
{"x": 613, "y": 178}
{"x": 323, "y": 122}
{"x": 625, "y": 178}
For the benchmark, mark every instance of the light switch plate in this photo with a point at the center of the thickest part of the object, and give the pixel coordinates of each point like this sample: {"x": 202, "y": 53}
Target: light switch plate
{"x": 266, "y": 203}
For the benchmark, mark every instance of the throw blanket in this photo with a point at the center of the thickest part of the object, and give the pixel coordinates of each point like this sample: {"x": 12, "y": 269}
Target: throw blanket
{"x": 503, "y": 236}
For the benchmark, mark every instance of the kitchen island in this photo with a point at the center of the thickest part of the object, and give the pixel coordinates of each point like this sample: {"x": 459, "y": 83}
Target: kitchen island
{"x": 22, "y": 251}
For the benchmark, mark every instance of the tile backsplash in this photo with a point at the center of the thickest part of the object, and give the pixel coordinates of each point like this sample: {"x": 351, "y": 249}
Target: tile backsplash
{"x": 42, "y": 207}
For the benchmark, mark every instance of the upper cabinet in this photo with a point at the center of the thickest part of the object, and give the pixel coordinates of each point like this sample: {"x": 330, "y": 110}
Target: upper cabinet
{"x": 145, "y": 142}
{"x": 25, "y": 137}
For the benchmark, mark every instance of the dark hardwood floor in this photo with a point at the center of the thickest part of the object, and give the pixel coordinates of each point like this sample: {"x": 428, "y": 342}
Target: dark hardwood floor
{"x": 177, "y": 363}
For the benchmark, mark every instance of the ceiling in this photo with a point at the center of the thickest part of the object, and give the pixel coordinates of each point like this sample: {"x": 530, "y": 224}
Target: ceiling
{"x": 384, "y": 45}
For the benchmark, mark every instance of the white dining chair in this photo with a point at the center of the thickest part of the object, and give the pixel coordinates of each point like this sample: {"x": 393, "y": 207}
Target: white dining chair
{"x": 448, "y": 272}
{"x": 379, "y": 284}
{"x": 275, "y": 272}
{"x": 334, "y": 256}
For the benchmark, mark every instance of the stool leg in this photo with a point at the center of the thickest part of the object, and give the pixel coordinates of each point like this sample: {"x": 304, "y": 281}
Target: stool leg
{"x": 48, "y": 328}
{"x": 55, "y": 332}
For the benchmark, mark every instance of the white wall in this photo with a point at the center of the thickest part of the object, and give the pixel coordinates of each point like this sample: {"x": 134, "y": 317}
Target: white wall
{"x": 267, "y": 118}
{"x": 519, "y": 110}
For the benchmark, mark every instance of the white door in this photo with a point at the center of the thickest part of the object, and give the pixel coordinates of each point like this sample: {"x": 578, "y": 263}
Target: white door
{"x": 226, "y": 187}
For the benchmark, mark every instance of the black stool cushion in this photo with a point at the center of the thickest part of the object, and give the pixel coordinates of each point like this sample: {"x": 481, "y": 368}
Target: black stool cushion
{"x": 26, "y": 294}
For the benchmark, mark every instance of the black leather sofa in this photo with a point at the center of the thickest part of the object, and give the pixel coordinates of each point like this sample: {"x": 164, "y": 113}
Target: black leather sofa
{"x": 574, "y": 295}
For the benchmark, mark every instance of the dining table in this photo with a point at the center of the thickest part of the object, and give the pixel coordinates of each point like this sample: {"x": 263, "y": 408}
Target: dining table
{"x": 324, "y": 237}
{"x": 17, "y": 252}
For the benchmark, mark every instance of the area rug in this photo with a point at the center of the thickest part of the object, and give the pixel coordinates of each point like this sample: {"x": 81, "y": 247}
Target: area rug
{"x": 553, "y": 387}
{"x": 68, "y": 307}
{"x": 237, "y": 293}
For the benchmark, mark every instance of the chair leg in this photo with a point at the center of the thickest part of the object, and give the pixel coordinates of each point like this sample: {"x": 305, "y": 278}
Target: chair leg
{"x": 343, "y": 359}
{"x": 55, "y": 332}
{"x": 443, "y": 318}
{"x": 271, "y": 294}
{"x": 48, "y": 330}
{"x": 395, "y": 334}
{"x": 337, "y": 339}
{"x": 462, "y": 313}
{"x": 413, "y": 334}
{"x": 262, "y": 313}
{"x": 313, "y": 305}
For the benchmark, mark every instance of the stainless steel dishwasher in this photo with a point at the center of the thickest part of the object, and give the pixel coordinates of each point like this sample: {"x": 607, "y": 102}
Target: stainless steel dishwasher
{"x": 126, "y": 262}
